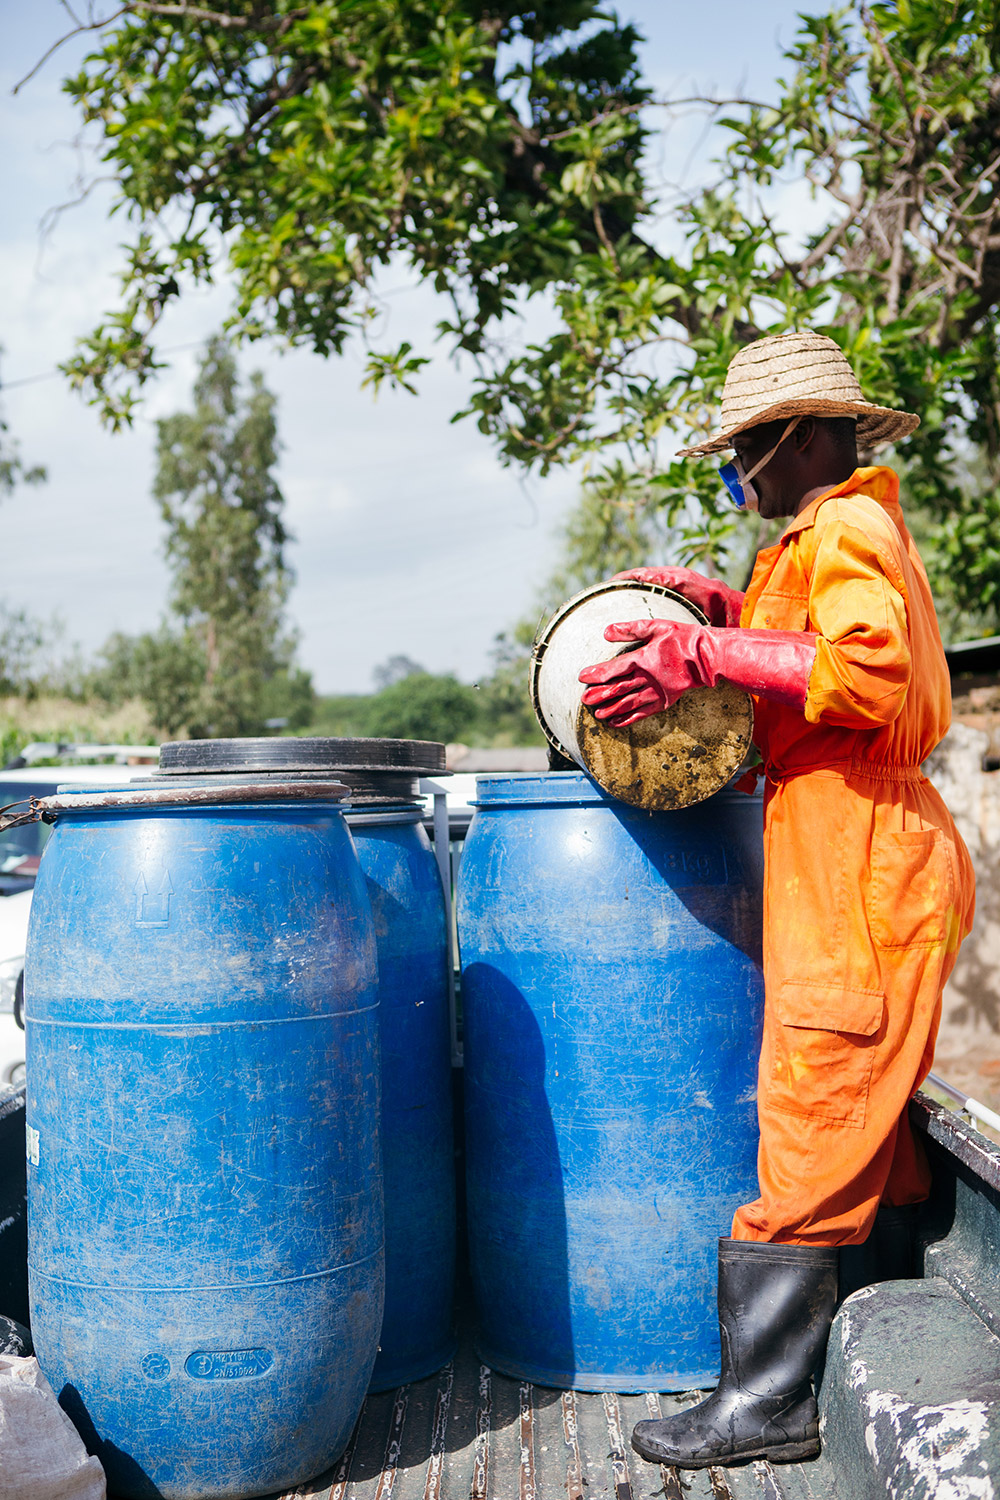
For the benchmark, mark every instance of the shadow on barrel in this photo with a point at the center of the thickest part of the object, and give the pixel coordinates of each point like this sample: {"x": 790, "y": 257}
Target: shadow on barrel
{"x": 516, "y": 1207}
{"x": 713, "y": 861}
{"x": 125, "y": 1476}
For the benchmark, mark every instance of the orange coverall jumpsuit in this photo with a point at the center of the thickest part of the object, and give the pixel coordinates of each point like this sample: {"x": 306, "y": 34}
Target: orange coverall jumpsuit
{"x": 869, "y": 889}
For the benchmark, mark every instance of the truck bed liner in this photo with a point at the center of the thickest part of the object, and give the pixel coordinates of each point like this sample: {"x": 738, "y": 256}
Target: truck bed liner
{"x": 472, "y": 1434}
{"x": 469, "y": 1433}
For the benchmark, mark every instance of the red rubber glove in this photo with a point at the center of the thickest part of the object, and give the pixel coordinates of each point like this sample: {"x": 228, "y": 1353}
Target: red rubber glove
{"x": 671, "y": 658}
{"x": 720, "y": 603}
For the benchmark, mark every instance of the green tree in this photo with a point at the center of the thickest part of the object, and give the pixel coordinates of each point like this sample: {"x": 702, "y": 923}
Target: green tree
{"x": 165, "y": 668}
{"x": 303, "y": 147}
{"x": 338, "y": 716}
{"x": 223, "y": 509}
{"x": 423, "y": 706}
{"x": 13, "y": 470}
{"x": 609, "y": 530}
{"x": 498, "y": 152}
{"x": 24, "y": 640}
{"x": 288, "y": 699}
{"x": 506, "y": 716}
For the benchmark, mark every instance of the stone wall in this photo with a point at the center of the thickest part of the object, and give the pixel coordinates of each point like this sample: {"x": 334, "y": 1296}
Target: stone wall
{"x": 968, "y": 1052}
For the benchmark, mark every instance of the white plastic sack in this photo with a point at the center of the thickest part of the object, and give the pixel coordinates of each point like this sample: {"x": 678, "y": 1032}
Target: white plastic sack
{"x": 42, "y": 1456}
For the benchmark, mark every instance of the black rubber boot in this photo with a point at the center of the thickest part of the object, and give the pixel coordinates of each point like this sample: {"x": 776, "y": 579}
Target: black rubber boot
{"x": 888, "y": 1254}
{"x": 776, "y": 1303}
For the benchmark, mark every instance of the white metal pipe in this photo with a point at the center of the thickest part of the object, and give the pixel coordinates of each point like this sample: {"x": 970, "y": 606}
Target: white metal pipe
{"x": 442, "y": 853}
{"x": 967, "y": 1105}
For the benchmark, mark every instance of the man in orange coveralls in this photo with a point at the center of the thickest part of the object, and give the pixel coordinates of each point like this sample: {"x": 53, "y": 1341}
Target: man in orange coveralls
{"x": 868, "y": 886}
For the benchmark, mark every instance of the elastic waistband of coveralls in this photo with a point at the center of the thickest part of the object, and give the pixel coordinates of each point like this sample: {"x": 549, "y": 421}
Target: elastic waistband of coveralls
{"x": 866, "y": 770}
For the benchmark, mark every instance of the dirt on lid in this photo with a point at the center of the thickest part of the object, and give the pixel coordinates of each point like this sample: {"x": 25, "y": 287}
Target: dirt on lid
{"x": 675, "y": 758}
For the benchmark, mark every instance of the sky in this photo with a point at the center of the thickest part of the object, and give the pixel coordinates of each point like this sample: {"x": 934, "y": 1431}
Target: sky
{"x": 410, "y": 537}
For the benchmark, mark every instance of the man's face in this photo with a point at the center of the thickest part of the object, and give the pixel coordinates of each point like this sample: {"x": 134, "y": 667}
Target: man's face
{"x": 772, "y": 482}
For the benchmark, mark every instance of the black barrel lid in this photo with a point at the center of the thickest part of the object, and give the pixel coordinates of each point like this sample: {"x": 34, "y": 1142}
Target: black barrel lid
{"x": 299, "y": 755}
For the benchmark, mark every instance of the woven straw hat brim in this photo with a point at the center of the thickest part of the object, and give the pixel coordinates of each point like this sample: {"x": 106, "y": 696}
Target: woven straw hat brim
{"x": 800, "y": 373}
{"x": 877, "y": 425}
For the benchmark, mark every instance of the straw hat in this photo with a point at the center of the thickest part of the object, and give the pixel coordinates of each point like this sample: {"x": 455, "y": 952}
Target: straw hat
{"x": 798, "y": 374}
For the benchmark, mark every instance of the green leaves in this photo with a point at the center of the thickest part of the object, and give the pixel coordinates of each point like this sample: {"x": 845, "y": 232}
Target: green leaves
{"x": 500, "y": 156}
{"x": 398, "y": 367}
{"x": 115, "y": 361}
{"x": 423, "y": 705}
{"x": 304, "y": 151}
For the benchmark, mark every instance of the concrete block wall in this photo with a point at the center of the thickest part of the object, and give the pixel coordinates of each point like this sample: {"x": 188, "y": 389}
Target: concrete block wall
{"x": 970, "y": 1026}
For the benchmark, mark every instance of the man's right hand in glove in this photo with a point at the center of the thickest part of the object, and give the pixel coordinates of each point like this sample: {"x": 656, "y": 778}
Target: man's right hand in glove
{"x": 669, "y": 658}
{"x": 720, "y": 603}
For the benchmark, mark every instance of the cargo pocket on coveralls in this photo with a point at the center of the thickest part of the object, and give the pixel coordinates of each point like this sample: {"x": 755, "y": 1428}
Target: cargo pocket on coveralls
{"x": 913, "y": 888}
{"x": 823, "y": 1050}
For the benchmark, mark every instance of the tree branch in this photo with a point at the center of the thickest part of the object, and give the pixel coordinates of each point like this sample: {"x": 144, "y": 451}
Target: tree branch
{"x": 833, "y": 236}
{"x": 223, "y": 19}
{"x": 868, "y": 20}
{"x": 82, "y": 26}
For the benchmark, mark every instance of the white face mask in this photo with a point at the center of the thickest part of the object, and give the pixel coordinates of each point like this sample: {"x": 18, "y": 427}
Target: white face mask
{"x": 738, "y": 483}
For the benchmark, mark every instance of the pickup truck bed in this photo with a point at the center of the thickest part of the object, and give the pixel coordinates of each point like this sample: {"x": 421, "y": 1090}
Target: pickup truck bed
{"x": 910, "y": 1398}
{"x": 470, "y": 1434}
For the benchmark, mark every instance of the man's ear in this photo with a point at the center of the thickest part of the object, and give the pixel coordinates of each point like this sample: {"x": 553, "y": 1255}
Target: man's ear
{"x": 804, "y": 433}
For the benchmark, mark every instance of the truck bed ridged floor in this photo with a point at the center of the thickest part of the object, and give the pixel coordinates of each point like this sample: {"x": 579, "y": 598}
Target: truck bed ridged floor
{"x": 471, "y": 1434}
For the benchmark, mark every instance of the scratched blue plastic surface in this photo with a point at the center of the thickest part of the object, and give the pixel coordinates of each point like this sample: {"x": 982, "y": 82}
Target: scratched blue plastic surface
{"x": 417, "y": 1152}
{"x": 612, "y": 1002}
{"x": 205, "y": 1209}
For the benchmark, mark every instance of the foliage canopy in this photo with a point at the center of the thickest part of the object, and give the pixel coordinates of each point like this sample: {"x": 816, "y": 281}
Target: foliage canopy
{"x": 423, "y": 705}
{"x": 498, "y": 151}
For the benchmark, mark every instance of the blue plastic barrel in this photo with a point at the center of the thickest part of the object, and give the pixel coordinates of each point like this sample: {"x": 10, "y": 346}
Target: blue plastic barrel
{"x": 205, "y": 1207}
{"x": 612, "y": 1002}
{"x": 407, "y": 899}
{"x": 404, "y": 887}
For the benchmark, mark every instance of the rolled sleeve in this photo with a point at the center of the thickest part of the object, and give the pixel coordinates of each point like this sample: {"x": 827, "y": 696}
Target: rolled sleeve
{"x": 857, "y": 607}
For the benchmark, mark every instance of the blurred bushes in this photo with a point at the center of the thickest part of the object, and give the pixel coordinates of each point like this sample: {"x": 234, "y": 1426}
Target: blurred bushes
{"x": 424, "y": 705}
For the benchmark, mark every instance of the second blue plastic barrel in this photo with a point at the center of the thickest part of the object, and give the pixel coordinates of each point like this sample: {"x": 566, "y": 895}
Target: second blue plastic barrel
{"x": 404, "y": 887}
{"x": 205, "y": 1206}
{"x": 413, "y": 960}
{"x": 612, "y": 1002}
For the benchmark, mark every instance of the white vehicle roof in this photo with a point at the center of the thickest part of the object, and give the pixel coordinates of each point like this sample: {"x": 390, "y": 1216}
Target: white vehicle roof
{"x": 74, "y": 751}
{"x": 14, "y": 912}
{"x": 88, "y": 775}
{"x": 460, "y": 791}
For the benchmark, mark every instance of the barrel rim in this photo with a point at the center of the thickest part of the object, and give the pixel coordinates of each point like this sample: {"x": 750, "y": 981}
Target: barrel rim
{"x": 591, "y": 794}
{"x": 367, "y": 815}
{"x": 66, "y": 801}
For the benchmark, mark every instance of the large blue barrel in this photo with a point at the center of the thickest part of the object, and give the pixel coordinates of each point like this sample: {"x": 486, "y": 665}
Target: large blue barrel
{"x": 612, "y": 1001}
{"x": 417, "y": 1152}
{"x": 205, "y": 1207}
{"x": 411, "y": 937}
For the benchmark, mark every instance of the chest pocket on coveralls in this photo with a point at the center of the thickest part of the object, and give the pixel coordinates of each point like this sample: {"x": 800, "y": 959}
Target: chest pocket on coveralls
{"x": 822, "y": 1050}
{"x": 913, "y": 888}
{"x": 778, "y": 609}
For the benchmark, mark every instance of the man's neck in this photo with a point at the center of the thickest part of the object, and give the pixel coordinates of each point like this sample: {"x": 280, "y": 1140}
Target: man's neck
{"x": 817, "y": 490}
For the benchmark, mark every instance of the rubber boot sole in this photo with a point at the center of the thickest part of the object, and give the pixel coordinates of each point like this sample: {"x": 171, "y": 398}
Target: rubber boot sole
{"x": 782, "y": 1453}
